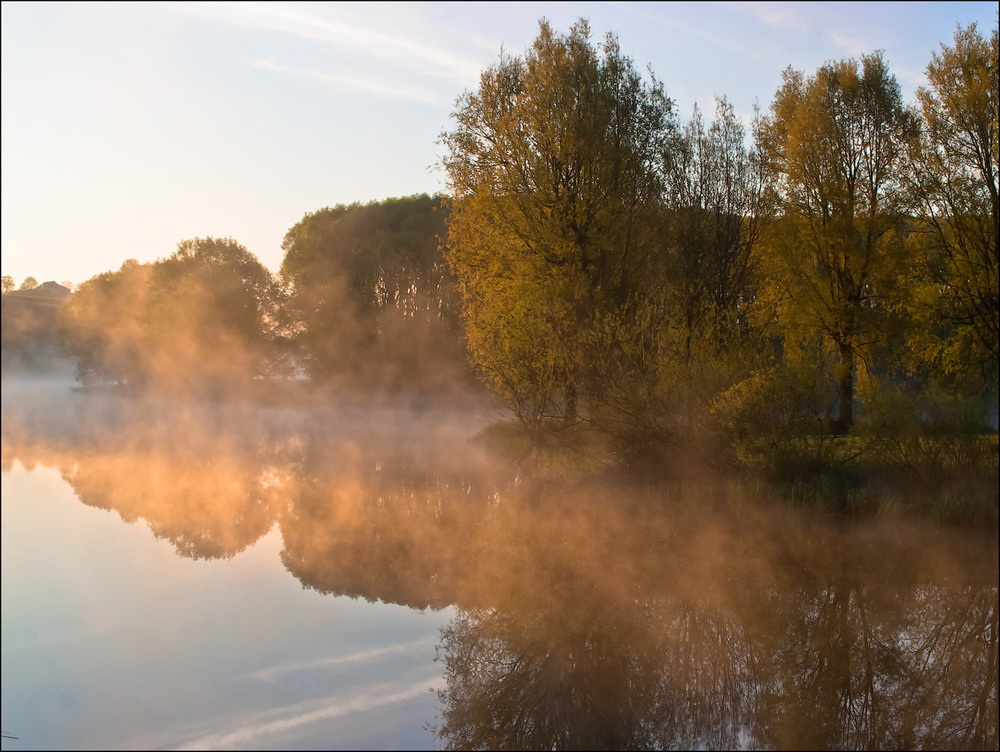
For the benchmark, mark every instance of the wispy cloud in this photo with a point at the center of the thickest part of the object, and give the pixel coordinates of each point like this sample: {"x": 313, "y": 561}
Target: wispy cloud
{"x": 661, "y": 17}
{"x": 785, "y": 16}
{"x": 852, "y": 44}
{"x": 396, "y": 58}
{"x": 808, "y": 19}
{"x": 366, "y": 84}
{"x": 246, "y": 731}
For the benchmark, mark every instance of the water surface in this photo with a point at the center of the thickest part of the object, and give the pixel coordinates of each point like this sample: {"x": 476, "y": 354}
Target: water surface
{"x": 365, "y": 576}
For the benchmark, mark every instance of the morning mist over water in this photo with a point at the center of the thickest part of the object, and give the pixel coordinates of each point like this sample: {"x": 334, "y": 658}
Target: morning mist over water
{"x": 373, "y": 577}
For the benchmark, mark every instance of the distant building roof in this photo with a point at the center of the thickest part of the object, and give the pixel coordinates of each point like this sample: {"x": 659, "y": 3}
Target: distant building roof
{"x": 44, "y": 290}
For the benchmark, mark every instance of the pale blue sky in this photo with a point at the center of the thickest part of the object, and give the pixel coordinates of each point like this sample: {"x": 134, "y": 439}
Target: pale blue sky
{"x": 127, "y": 128}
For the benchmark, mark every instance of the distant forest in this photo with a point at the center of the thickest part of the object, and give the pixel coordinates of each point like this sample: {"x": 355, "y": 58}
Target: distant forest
{"x": 817, "y": 285}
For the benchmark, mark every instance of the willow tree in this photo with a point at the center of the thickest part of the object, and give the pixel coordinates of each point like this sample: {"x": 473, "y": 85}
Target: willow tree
{"x": 553, "y": 166}
{"x": 838, "y": 141}
{"x": 955, "y": 185}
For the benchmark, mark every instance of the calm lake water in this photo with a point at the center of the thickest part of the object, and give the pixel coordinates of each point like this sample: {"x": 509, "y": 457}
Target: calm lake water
{"x": 183, "y": 575}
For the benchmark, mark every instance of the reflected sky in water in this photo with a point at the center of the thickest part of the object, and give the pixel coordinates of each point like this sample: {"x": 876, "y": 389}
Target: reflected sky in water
{"x": 110, "y": 639}
{"x": 361, "y": 576}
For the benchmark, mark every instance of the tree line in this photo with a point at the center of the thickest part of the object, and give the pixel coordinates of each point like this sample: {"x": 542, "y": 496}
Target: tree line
{"x": 660, "y": 280}
{"x": 363, "y": 299}
{"x": 605, "y": 264}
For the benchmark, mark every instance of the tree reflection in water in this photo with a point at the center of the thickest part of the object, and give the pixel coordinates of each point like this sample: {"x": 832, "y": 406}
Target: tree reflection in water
{"x": 607, "y": 687}
{"x": 848, "y": 658}
{"x": 589, "y": 615}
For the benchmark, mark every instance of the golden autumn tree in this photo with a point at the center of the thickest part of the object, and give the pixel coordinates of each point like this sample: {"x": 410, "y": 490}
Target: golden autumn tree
{"x": 955, "y": 189}
{"x": 552, "y": 166}
{"x": 838, "y": 143}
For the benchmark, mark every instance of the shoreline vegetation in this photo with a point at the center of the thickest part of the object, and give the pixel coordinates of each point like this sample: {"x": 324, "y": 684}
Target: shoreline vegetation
{"x": 945, "y": 479}
{"x": 805, "y": 306}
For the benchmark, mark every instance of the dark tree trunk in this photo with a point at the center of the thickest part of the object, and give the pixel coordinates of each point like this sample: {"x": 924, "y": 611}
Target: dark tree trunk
{"x": 570, "y": 404}
{"x": 845, "y": 383}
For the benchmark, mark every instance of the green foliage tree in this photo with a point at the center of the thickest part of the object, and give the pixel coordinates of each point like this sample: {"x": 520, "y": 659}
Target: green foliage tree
{"x": 29, "y": 283}
{"x": 8, "y": 283}
{"x": 369, "y": 291}
{"x": 837, "y": 141}
{"x": 554, "y": 170}
{"x": 954, "y": 185}
{"x": 213, "y": 316}
{"x": 101, "y": 325}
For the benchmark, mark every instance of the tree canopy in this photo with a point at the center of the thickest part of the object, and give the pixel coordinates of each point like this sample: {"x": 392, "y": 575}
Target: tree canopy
{"x": 838, "y": 142}
{"x": 552, "y": 166}
{"x": 954, "y": 188}
{"x": 102, "y": 325}
{"x": 371, "y": 296}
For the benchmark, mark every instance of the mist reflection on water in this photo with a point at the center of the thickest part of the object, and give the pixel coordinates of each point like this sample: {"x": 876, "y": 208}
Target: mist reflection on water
{"x": 597, "y": 614}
